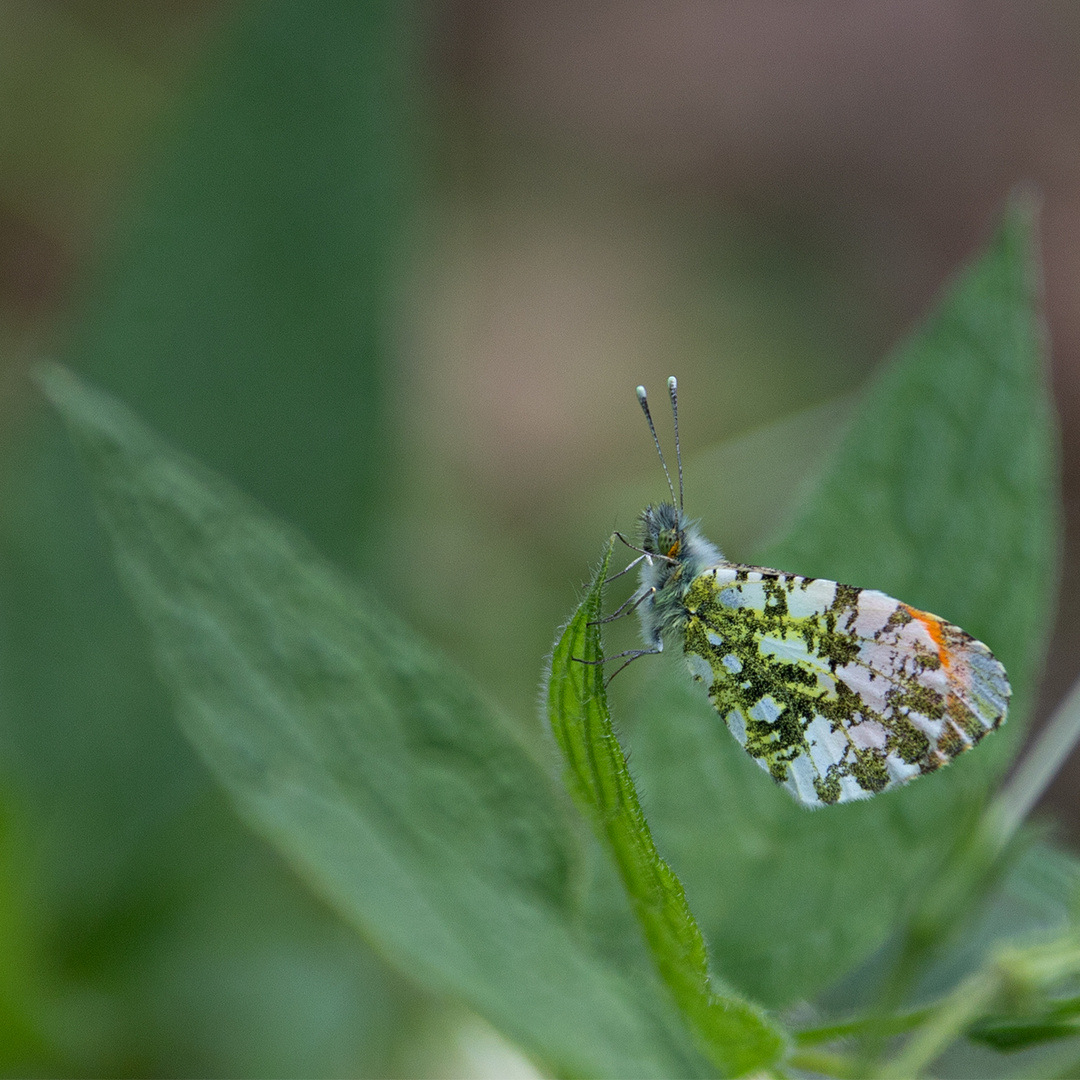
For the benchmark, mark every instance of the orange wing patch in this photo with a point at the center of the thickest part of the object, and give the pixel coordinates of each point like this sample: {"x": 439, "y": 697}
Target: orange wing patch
{"x": 934, "y": 627}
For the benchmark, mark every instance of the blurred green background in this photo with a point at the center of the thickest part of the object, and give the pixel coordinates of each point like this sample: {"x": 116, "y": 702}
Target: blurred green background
{"x": 396, "y": 270}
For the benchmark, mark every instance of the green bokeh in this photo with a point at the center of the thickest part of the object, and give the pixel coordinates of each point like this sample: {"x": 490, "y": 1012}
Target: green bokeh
{"x": 244, "y": 304}
{"x": 246, "y": 307}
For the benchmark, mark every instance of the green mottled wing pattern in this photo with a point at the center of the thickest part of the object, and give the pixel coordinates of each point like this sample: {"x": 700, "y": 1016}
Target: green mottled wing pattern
{"x": 837, "y": 692}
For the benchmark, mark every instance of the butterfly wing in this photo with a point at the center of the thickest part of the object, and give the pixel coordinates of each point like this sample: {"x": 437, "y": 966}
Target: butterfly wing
{"x": 837, "y": 692}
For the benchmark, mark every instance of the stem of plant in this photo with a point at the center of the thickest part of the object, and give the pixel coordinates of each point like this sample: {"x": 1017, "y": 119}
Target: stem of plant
{"x": 1035, "y": 771}
{"x": 810, "y": 1060}
{"x": 948, "y": 1021}
{"x": 893, "y": 1025}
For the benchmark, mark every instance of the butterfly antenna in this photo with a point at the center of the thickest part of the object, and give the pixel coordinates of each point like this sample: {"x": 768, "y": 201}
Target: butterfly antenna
{"x": 673, "y": 390}
{"x": 643, "y": 401}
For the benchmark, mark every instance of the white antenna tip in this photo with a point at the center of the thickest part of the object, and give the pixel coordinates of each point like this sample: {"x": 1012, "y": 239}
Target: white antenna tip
{"x": 672, "y": 384}
{"x": 641, "y": 393}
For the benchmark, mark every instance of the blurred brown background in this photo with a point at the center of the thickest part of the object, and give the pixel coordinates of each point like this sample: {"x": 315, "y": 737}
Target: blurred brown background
{"x": 845, "y": 157}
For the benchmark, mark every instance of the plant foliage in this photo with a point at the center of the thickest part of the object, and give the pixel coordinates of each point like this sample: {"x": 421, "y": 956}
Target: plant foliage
{"x": 405, "y": 799}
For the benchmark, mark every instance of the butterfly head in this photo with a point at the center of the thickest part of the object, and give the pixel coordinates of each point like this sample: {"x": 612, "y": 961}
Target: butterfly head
{"x": 674, "y": 550}
{"x": 675, "y": 553}
{"x": 663, "y": 530}
{"x": 676, "y": 544}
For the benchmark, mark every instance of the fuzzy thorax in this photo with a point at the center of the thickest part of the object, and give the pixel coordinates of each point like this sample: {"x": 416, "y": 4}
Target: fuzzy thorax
{"x": 678, "y": 553}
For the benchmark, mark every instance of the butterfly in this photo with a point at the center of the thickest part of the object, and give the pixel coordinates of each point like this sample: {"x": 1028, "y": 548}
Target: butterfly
{"x": 837, "y": 692}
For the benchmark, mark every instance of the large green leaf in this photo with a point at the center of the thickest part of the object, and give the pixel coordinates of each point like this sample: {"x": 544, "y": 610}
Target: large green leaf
{"x": 943, "y": 494}
{"x": 368, "y": 760}
{"x": 242, "y": 301}
{"x": 243, "y": 306}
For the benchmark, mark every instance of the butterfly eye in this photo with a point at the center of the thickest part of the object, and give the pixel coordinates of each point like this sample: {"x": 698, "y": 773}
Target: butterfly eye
{"x": 669, "y": 543}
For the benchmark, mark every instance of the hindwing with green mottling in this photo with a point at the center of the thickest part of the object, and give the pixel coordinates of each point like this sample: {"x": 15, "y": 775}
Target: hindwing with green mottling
{"x": 838, "y": 692}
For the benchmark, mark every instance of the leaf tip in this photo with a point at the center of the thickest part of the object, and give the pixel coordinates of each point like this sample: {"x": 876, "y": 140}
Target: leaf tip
{"x": 54, "y": 380}
{"x": 80, "y": 404}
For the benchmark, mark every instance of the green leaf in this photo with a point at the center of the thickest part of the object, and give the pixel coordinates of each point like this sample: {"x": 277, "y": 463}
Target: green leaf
{"x": 24, "y": 1043}
{"x": 945, "y": 491}
{"x": 943, "y": 494}
{"x": 1008, "y": 1033}
{"x": 243, "y": 301}
{"x": 367, "y": 759}
{"x": 244, "y": 304}
{"x": 735, "y": 1036}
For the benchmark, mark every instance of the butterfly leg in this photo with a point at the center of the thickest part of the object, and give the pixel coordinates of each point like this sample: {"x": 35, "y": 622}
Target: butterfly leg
{"x": 632, "y": 655}
{"x": 626, "y": 569}
{"x": 628, "y": 608}
{"x": 646, "y": 554}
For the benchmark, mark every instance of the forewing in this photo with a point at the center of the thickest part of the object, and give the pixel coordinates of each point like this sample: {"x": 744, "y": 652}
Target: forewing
{"x": 838, "y": 692}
